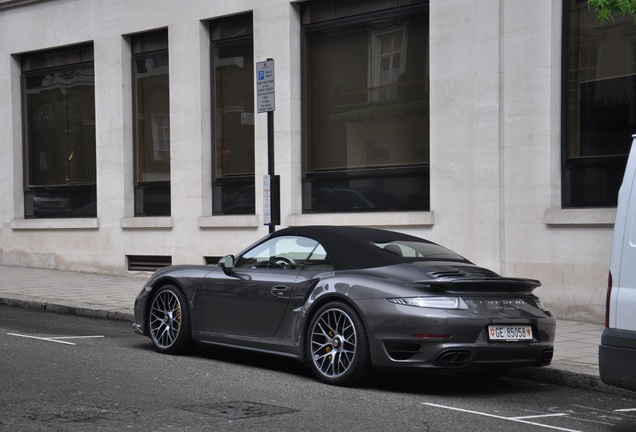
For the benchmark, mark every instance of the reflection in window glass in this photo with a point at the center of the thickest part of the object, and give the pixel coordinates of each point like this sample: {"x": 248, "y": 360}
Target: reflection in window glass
{"x": 59, "y": 113}
{"x": 599, "y": 104}
{"x": 152, "y": 124}
{"x": 153, "y": 118}
{"x": 371, "y": 112}
{"x": 233, "y": 80}
{"x": 367, "y": 114}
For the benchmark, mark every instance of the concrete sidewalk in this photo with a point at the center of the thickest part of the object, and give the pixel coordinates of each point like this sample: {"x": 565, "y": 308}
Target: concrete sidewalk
{"x": 575, "y": 362}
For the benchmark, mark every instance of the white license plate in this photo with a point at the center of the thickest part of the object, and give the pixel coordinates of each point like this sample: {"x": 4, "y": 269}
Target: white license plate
{"x": 509, "y": 332}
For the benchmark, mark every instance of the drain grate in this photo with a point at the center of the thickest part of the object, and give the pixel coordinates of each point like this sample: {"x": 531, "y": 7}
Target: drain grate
{"x": 239, "y": 410}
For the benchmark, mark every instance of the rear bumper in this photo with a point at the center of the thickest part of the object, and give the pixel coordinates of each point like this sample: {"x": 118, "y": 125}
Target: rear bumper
{"x": 616, "y": 358}
{"x": 429, "y": 339}
{"x": 427, "y": 355}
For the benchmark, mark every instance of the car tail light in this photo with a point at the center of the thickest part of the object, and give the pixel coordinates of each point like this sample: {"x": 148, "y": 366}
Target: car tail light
{"x": 607, "y": 300}
{"x": 430, "y": 302}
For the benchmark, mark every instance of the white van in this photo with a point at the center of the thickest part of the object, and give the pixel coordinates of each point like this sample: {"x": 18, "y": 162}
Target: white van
{"x": 617, "y": 352}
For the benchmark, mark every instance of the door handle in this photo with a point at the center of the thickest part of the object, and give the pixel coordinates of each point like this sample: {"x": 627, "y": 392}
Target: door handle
{"x": 280, "y": 290}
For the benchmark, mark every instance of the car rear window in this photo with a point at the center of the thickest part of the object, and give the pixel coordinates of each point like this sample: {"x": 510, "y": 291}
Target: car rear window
{"x": 418, "y": 250}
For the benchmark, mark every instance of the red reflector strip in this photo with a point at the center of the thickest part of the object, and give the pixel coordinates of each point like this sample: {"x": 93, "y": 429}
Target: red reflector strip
{"x": 432, "y": 336}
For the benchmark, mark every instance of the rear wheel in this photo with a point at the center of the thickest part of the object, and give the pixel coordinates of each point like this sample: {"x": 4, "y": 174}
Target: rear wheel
{"x": 337, "y": 345}
{"x": 169, "y": 321}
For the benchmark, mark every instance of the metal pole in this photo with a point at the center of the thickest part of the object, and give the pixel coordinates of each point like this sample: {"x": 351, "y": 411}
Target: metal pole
{"x": 266, "y": 101}
{"x": 270, "y": 168}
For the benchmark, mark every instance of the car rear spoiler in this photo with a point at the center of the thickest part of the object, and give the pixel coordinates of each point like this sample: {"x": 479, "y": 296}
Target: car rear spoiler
{"x": 483, "y": 285}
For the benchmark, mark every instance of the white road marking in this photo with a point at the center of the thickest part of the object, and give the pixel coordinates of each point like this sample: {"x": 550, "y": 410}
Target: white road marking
{"x": 592, "y": 411}
{"x": 512, "y": 419}
{"x": 625, "y": 410}
{"x": 539, "y": 416}
{"x": 54, "y": 339}
{"x": 76, "y": 337}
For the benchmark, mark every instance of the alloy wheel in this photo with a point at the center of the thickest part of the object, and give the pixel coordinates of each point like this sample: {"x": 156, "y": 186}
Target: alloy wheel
{"x": 165, "y": 319}
{"x": 333, "y": 343}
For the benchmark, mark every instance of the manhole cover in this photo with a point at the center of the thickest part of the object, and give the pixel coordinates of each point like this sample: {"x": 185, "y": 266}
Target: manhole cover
{"x": 239, "y": 410}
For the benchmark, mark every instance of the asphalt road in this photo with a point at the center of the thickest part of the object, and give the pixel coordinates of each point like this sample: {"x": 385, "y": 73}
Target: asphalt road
{"x": 69, "y": 373}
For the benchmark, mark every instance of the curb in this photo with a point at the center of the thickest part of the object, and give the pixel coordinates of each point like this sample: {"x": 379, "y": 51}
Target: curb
{"x": 565, "y": 378}
{"x": 79, "y": 309}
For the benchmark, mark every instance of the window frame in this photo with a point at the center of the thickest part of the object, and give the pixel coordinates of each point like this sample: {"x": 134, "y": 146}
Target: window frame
{"x": 240, "y": 183}
{"x": 614, "y": 163}
{"x": 57, "y": 201}
{"x": 151, "y": 197}
{"x": 378, "y": 173}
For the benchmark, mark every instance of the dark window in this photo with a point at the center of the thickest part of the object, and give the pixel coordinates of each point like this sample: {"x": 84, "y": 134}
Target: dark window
{"x": 152, "y": 124}
{"x": 599, "y": 110}
{"x": 58, "y": 89}
{"x": 366, "y": 113}
{"x": 233, "y": 97}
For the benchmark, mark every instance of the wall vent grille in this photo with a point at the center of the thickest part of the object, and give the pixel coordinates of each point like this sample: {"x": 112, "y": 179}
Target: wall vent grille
{"x": 148, "y": 262}
{"x": 212, "y": 260}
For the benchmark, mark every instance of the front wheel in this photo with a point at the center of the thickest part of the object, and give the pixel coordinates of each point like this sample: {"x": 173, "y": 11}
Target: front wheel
{"x": 169, "y": 321}
{"x": 337, "y": 345}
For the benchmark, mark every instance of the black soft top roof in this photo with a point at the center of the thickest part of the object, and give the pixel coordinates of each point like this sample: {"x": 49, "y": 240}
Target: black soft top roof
{"x": 349, "y": 247}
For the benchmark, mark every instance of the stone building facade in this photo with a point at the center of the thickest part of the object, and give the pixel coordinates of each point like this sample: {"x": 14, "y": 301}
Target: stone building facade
{"x": 131, "y": 136}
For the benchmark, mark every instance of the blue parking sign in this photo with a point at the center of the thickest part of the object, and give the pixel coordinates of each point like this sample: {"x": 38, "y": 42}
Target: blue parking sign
{"x": 265, "y": 86}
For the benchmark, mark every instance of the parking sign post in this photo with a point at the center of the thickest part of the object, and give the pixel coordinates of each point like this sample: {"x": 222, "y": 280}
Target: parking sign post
{"x": 266, "y": 102}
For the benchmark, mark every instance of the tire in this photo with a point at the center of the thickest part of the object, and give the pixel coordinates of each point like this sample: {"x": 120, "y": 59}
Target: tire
{"x": 169, "y": 321}
{"x": 337, "y": 346}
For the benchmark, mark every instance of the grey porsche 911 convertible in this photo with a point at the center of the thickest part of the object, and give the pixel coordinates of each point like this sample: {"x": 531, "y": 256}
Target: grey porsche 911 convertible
{"x": 349, "y": 300}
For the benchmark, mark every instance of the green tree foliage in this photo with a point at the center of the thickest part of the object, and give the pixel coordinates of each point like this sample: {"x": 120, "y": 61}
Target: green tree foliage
{"x": 607, "y": 9}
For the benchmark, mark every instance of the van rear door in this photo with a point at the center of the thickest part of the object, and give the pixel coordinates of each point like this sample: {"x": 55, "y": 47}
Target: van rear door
{"x": 617, "y": 352}
{"x": 622, "y": 299}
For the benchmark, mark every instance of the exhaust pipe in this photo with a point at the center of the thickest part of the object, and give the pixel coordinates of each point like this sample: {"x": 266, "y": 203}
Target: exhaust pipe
{"x": 546, "y": 356}
{"x": 453, "y": 358}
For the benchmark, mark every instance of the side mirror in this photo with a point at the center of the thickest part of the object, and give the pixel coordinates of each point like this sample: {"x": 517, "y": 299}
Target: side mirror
{"x": 227, "y": 263}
